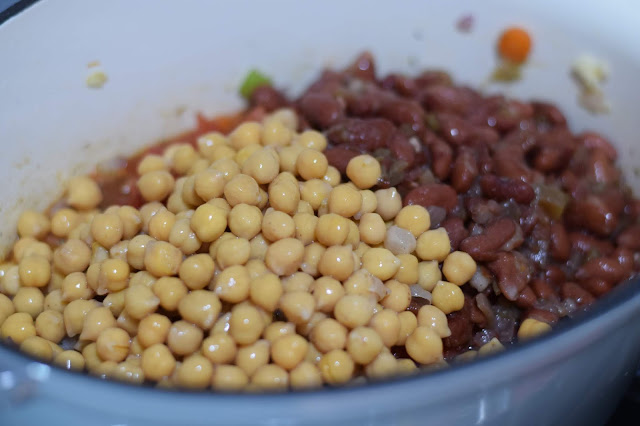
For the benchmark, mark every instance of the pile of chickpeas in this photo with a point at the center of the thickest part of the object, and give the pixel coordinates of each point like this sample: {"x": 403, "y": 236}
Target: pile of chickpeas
{"x": 250, "y": 266}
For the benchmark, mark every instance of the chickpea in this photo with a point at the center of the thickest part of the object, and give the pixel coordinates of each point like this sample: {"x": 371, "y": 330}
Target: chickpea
{"x": 328, "y": 334}
{"x": 90, "y": 355}
{"x": 112, "y": 276}
{"x": 364, "y": 283}
{"x": 34, "y": 271}
{"x": 364, "y": 171}
{"x": 298, "y": 281}
{"x": 304, "y": 207}
{"x": 33, "y": 224}
{"x": 128, "y": 323}
{"x": 63, "y": 221}
{"x": 315, "y": 191}
{"x": 184, "y": 338}
{"x": 170, "y": 291}
{"x": 182, "y": 157}
{"x": 305, "y": 376}
{"x": 284, "y": 195}
{"x": 18, "y": 327}
{"x": 29, "y": 300}
{"x": 364, "y": 344}
{"x": 447, "y": 297}
{"x": 265, "y": 291}
{"x": 70, "y": 360}
{"x": 151, "y": 163}
{"x": 284, "y": 256}
{"x": 408, "y": 273}
{"x": 332, "y": 177}
{"x": 227, "y": 167}
{"x": 278, "y": 329}
{"x": 345, "y": 200}
{"x": 153, "y": 329}
{"x": 270, "y": 377}
{"x": 222, "y": 325}
{"x": 232, "y": 284}
{"x": 332, "y": 230}
{"x": 430, "y": 316}
{"x": 208, "y": 222}
{"x": 131, "y": 221}
{"x": 75, "y": 286}
{"x": 263, "y": 165}
{"x": 229, "y": 378}
{"x": 384, "y": 365}
{"x": 37, "y": 347}
{"x": 6, "y": 308}
{"x": 389, "y": 203}
{"x": 245, "y": 134}
{"x": 288, "y": 158}
{"x": 113, "y": 344}
{"x": 206, "y": 142}
{"x": 83, "y": 193}
{"x": 459, "y": 267}
{"x": 311, "y": 164}
{"x": 200, "y": 307}
{"x": 305, "y": 227}
{"x": 10, "y": 281}
{"x": 337, "y": 262}
{"x": 135, "y": 250}
{"x": 162, "y": 259}
{"x": 139, "y": 301}
{"x": 213, "y": 247}
{"x": 249, "y": 358}
{"x": 372, "y": 228}
{"x": 433, "y": 245}
{"x": 129, "y": 371}
{"x": 531, "y": 328}
{"x": 156, "y": 185}
{"x": 492, "y": 347}
{"x": 277, "y": 225}
{"x": 398, "y": 297}
{"x": 209, "y": 184}
{"x": 196, "y": 271}
{"x": 195, "y": 372}
{"x": 336, "y": 367}
{"x": 354, "y": 310}
{"x": 183, "y": 237}
{"x": 72, "y": 256}
{"x": 408, "y": 323}
{"x": 74, "y": 315}
{"x": 115, "y": 302}
{"x": 298, "y": 306}
{"x": 242, "y": 189}
{"x": 312, "y": 139}
{"x": 245, "y": 221}
{"x": 312, "y": 255}
{"x": 288, "y": 351}
{"x": 381, "y": 263}
{"x": 97, "y": 320}
{"x": 161, "y": 223}
{"x": 157, "y": 362}
{"x": 219, "y": 348}
{"x": 53, "y": 301}
{"x": 387, "y": 325}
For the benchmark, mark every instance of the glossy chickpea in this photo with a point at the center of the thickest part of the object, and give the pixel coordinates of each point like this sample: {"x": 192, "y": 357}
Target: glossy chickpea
{"x": 332, "y": 177}
{"x": 263, "y": 165}
{"x": 384, "y": 365}
{"x": 219, "y": 348}
{"x": 135, "y": 250}
{"x": 169, "y": 291}
{"x": 249, "y": 358}
{"x": 288, "y": 351}
{"x": 115, "y": 302}
{"x": 229, "y": 378}
{"x": 246, "y": 324}
{"x": 315, "y": 191}
{"x": 156, "y": 185}
{"x": 337, "y": 262}
{"x": 408, "y": 323}
{"x": 372, "y": 228}
{"x": 312, "y": 139}
{"x": 234, "y": 251}
{"x": 447, "y": 297}
{"x": 162, "y": 259}
{"x": 160, "y": 224}
{"x": 72, "y": 256}
{"x": 29, "y": 300}
{"x": 221, "y": 325}
{"x": 278, "y": 329}
{"x": 70, "y": 360}
{"x": 364, "y": 283}
{"x": 209, "y": 184}
{"x": 364, "y": 171}
{"x": 83, "y": 193}
{"x": 305, "y": 376}
{"x": 34, "y": 271}
{"x": 265, "y": 291}
{"x": 311, "y": 164}
{"x": 245, "y": 221}
{"x": 183, "y": 237}
{"x": 29, "y": 246}
{"x": 196, "y": 271}
{"x": 107, "y": 229}
{"x": 182, "y": 158}
{"x": 131, "y": 221}
{"x": 213, "y": 247}
{"x": 345, "y": 200}
{"x": 332, "y": 229}
{"x": 245, "y": 134}
{"x": 389, "y": 203}
{"x": 336, "y": 367}
{"x": 53, "y": 301}
{"x": 37, "y": 347}
{"x": 200, "y": 307}
{"x": 129, "y": 371}
{"x": 188, "y": 192}
{"x": 414, "y": 218}
{"x": 90, "y": 355}
{"x": 18, "y": 327}
{"x": 184, "y": 338}
{"x": 153, "y": 329}
{"x": 205, "y": 143}
{"x": 75, "y": 286}
{"x": 328, "y": 334}
{"x": 531, "y": 328}
{"x": 305, "y": 227}
{"x": 10, "y": 281}
{"x": 97, "y": 320}
{"x": 270, "y": 377}
{"x": 298, "y": 281}
{"x": 128, "y": 323}
{"x": 429, "y": 274}
{"x": 298, "y": 306}
{"x": 459, "y": 267}
{"x": 364, "y": 344}
{"x": 63, "y": 221}
{"x": 112, "y": 276}
{"x": 113, "y": 344}
{"x": 312, "y": 255}
{"x": 74, "y": 315}
{"x": 430, "y": 316}
{"x": 284, "y": 256}
{"x": 157, "y": 362}
{"x": 232, "y": 284}
{"x": 242, "y": 189}
{"x": 387, "y": 325}
{"x": 424, "y": 345}
{"x": 243, "y": 154}
{"x": 408, "y": 273}
{"x": 354, "y": 310}
{"x": 381, "y": 263}
{"x": 208, "y": 222}
{"x": 277, "y": 225}
{"x": 433, "y": 245}
{"x": 288, "y": 157}
{"x": 152, "y": 163}
{"x": 6, "y": 308}
{"x": 195, "y": 372}
{"x": 284, "y": 195}
{"x": 33, "y": 224}
{"x": 140, "y": 301}
{"x": 398, "y": 296}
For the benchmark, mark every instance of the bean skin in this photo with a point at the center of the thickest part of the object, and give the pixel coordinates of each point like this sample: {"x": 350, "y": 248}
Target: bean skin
{"x": 362, "y": 133}
{"x": 560, "y": 244}
{"x": 434, "y": 194}
{"x": 321, "y": 109}
{"x": 503, "y": 189}
{"x": 484, "y": 247}
{"x": 512, "y": 272}
{"x": 465, "y": 170}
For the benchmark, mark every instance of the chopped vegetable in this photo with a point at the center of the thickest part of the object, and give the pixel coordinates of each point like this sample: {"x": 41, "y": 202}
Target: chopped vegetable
{"x": 590, "y": 73}
{"x": 514, "y": 45}
{"x": 252, "y": 81}
{"x": 507, "y": 71}
{"x": 96, "y": 79}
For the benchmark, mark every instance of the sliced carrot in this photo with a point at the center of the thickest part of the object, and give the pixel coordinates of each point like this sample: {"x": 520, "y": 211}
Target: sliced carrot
{"x": 514, "y": 44}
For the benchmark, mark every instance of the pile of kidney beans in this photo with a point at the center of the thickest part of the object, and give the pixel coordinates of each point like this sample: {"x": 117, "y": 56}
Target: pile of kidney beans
{"x": 544, "y": 212}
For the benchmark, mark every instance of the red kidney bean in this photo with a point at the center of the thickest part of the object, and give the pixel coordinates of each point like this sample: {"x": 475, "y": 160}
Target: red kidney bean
{"x": 365, "y": 103}
{"x": 450, "y": 99}
{"x": 417, "y": 303}
{"x": 508, "y": 161}
{"x": 503, "y": 189}
{"x": 461, "y": 327}
{"x": 339, "y": 157}
{"x": 573, "y": 291}
{"x": 476, "y": 315}
{"x": 596, "y": 286}
{"x": 597, "y": 213}
{"x": 268, "y": 97}
{"x": 600, "y": 168}
{"x": 402, "y": 149}
{"x": 560, "y": 247}
{"x": 452, "y": 128}
{"x": 482, "y": 210}
{"x": 595, "y": 140}
{"x": 549, "y": 113}
{"x": 435, "y": 194}
{"x": 430, "y": 78}
{"x": 403, "y": 111}
{"x": 363, "y": 67}
{"x": 554, "y": 275}
{"x": 465, "y": 170}
{"x": 321, "y": 109}
{"x": 400, "y": 84}
{"x": 526, "y": 298}
{"x": 362, "y": 133}
{"x": 512, "y": 271}
{"x": 586, "y": 243}
{"x": 442, "y": 156}
{"x": 543, "y": 290}
{"x": 605, "y": 268}
{"x": 483, "y": 247}
{"x": 456, "y": 230}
